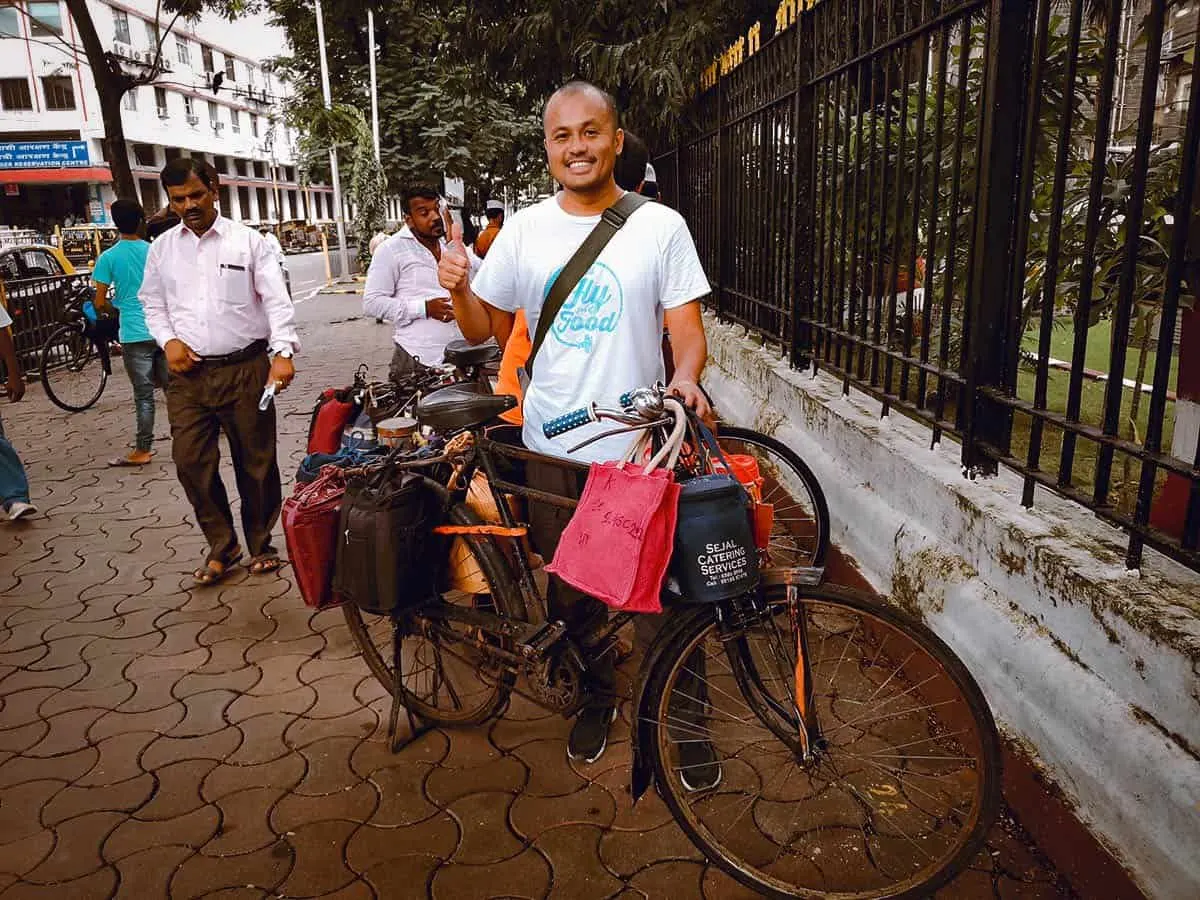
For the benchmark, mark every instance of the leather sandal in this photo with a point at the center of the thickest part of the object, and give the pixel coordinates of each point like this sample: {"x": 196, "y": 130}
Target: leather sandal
{"x": 264, "y": 564}
{"x": 215, "y": 570}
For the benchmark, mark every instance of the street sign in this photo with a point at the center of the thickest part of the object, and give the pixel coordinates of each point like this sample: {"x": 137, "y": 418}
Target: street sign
{"x": 44, "y": 155}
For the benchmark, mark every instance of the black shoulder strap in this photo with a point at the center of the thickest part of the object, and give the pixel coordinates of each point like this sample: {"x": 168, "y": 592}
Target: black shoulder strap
{"x": 610, "y": 223}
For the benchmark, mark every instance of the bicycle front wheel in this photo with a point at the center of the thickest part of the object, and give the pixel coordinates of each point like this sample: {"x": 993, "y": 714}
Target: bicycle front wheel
{"x": 72, "y": 371}
{"x": 800, "y": 527}
{"x": 903, "y": 779}
{"x": 445, "y": 678}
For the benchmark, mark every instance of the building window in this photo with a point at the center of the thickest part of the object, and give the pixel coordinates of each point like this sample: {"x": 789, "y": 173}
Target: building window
{"x": 213, "y": 116}
{"x": 143, "y": 155}
{"x": 170, "y": 153}
{"x": 181, "y": 51}
{"x": 239, "y": 167}
{"x": 148, "y": 188}
{"x": 253, "y": 125}
{"x": 207, "y": 57}
{"x": 259, "y": 171}
{"x": 10, "y": 21}
{"x": 14, "y": 94}
{"x": 121, "y": 26}
{"x": 160, "y": 102}
{"x": 235, "y": 121}
{"x": 129, "y": 101}
{"x": 152, "y": 34}
{"x": 221, "y": 164}
{"x": 1183, "y": 89}
{"x": 45, "y": 19}
{"x": 249, "y": 75}
{"x": 59, "y": 91}
{"x": 230, "y": 69}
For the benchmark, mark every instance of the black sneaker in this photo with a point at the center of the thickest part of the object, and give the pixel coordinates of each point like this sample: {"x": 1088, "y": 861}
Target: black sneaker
{"x": 589, "y": 734}
{"x": 698, "y": 766}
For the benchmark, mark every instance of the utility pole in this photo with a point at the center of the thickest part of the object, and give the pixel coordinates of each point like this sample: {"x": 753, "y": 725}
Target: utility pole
{"x": 374, "y": 85}
{"x": 343, "y": 250}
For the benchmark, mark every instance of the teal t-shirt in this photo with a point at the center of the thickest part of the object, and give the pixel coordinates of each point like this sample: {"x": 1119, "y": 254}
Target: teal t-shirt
{"x": 121, "y": 267}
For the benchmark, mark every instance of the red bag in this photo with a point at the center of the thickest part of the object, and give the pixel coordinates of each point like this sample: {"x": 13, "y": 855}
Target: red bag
{"x": 310, "y": 526}
{"x": 329, "y": 418}
{"x": 623, "y": 515}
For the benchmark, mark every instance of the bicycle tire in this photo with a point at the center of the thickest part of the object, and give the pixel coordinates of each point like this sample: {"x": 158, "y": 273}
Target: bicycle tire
{"x": 679, "y": 655}
{"x": 79, "y": 353}
{"x": 369, "y": 631}
{"x": 793, "y": 548}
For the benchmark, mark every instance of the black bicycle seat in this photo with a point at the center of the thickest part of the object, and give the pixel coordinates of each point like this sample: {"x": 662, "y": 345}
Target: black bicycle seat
{"x": 465, "y": 355}
{"x": 461, "y": 406}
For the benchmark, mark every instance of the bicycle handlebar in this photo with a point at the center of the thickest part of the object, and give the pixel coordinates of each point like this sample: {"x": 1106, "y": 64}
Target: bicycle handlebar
{"x": 640, "y": 406}
{"x": 569, "y": 421}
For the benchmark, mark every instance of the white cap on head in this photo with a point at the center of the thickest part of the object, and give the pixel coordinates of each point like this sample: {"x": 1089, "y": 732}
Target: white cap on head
{"x": 494, "y": 205}
{"x": 651, "y": 175}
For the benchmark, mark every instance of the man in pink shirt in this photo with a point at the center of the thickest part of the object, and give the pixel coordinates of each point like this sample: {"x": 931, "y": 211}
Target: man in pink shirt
{"x": 216, "y": 302}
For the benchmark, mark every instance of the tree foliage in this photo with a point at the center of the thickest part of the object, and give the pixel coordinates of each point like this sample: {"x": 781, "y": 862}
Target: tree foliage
{"x": 462, "y": 85}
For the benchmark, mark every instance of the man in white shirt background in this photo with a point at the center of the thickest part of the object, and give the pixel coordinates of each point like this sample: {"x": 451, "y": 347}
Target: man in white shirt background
{"x": 402, "y": 285}
{"x": 215, "y": 301}
{"x": 277, "y": 249}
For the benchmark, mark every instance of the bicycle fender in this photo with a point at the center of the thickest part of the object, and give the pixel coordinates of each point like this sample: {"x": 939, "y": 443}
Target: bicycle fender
{"x": 642, "y": 772}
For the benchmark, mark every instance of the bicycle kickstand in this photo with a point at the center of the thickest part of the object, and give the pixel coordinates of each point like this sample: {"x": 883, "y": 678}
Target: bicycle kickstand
{"x": 416, "y": 727}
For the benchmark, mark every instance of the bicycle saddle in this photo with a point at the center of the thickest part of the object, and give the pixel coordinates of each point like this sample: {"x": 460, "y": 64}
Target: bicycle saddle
{"x": 461, "y": 406}
{"x": 465, "y": 355}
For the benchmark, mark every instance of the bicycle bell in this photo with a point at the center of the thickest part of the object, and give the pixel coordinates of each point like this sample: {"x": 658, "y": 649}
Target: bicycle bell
{"x": 646, "y": 402}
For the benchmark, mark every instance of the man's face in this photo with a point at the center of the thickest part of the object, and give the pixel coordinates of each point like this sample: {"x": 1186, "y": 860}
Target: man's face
{"x": 194, "y": 202}
{"x": 424, "y": 218}
{"x": 582, "y": 140}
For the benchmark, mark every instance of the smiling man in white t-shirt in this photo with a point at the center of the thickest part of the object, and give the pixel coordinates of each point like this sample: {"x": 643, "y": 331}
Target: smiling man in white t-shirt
{"x": 606, "y": 339}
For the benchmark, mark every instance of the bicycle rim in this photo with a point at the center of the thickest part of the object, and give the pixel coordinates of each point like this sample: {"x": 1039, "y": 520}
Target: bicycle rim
{"x": 72, "y": 372}
{"x": 800, "y": 527}
{"x": 900, "y": 793}
{"x": 444, "y": 679}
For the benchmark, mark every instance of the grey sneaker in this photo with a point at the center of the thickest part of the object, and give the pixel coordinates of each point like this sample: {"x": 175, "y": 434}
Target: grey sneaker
{"x": 698, "y": 766}
{"x": 19, "y": 509}
{"x": 589, "y": 735}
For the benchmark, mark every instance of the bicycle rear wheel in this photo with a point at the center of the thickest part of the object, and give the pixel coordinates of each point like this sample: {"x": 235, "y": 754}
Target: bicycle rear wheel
{"x": 445, "y": 679}
{"x": 903, "y": 783}
{"x": 800, "y": 531}
{"x": 72, "y": 371}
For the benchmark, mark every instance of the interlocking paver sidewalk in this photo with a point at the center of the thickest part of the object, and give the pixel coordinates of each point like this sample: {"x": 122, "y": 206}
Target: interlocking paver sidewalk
{"x": 158, "y": 740}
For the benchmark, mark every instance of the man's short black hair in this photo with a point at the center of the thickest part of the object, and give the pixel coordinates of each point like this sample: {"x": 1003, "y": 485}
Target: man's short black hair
{"x": 494, "y": 213}
{"x": 127, "y": 215}
{"x": 177, "y": 171}
{"x": 418, "y": 191}
{"x": 630, "y": 169}
{"x": 580, "y": 86}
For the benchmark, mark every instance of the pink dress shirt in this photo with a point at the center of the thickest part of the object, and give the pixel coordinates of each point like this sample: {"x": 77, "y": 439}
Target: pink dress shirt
{"x": 218, "y": 292}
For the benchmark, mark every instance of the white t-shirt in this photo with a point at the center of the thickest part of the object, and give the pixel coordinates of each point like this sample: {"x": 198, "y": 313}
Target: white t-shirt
{"x": 607, "y": 337}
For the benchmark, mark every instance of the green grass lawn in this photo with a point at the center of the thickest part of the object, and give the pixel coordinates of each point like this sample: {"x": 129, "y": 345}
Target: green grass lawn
{"x": 1096, "y": 358}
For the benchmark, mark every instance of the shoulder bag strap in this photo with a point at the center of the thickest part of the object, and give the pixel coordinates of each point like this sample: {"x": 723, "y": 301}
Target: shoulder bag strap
{"x": 610, "y": 223}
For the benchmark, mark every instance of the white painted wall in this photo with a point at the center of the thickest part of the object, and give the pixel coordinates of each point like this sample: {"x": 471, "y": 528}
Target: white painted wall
{"x": 1072, "y": 651}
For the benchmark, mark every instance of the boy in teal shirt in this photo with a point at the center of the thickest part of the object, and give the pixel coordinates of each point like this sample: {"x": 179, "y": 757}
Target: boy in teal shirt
{"x": 118, "y": 278}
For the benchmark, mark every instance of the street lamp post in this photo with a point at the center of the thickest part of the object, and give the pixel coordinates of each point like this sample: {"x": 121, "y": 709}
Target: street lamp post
{"x": 343, "y": 250}
{"x": 374, "y": 85}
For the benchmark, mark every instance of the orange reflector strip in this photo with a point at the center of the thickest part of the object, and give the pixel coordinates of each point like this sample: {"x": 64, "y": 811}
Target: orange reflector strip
{"x": 801, "y": 687}
{"x": 494, "y": 530}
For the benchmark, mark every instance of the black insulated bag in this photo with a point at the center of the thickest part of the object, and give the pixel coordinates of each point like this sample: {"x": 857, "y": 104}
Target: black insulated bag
{"x": 387, "y": 555}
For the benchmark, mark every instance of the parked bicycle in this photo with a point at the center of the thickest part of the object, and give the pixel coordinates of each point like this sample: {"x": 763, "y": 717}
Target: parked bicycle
{"x": 76, "y": 358}
{"x": 857, "y": 755}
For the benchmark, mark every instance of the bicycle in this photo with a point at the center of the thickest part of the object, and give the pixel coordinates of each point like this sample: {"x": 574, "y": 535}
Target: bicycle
{"x": 76, "y": 359}
{"x": 856, "y": 755}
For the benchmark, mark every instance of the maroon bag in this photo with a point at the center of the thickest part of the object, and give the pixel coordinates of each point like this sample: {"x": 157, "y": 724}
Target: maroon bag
{"x": 333, "y": 412}
{"x": 310, "y": 526}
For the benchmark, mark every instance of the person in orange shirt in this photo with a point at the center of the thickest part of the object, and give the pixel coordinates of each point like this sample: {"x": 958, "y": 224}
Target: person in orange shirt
{"x": 494, "y": 210}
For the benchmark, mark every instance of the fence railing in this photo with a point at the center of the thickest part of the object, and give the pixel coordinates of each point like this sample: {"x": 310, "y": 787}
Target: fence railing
{"x": 977, "y": 212}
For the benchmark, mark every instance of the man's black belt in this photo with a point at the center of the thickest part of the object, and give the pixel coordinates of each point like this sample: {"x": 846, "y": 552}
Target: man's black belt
{"x": 258, "y": 348}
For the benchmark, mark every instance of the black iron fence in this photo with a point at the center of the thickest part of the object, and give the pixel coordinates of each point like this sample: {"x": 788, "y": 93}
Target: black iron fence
{"x": 976, "y": 211}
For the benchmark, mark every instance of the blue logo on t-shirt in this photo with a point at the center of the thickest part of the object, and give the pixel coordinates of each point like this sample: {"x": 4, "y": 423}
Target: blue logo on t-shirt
{"x": 592, "y": 310}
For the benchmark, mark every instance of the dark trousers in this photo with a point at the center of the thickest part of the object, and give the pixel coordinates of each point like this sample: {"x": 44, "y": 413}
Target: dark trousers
{"x": 224, "y": 398}
{"x": 585, "y": 615}
{"x": 402, "y": 365}
{"x": 146, "y": 365}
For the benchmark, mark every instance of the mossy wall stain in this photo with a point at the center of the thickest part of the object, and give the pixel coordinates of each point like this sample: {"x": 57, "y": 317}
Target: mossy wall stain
{"x": 919, "y": 580}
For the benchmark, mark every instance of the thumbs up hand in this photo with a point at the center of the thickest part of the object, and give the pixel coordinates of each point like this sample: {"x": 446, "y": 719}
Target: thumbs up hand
{"x": 454, "y": 267}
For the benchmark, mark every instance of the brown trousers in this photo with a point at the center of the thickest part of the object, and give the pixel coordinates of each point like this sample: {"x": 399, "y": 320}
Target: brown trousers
{"x": 224, "y": 398}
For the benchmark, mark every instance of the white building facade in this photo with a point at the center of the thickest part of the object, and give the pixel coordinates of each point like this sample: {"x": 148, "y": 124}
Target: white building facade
{"x": 52, "y": 165}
